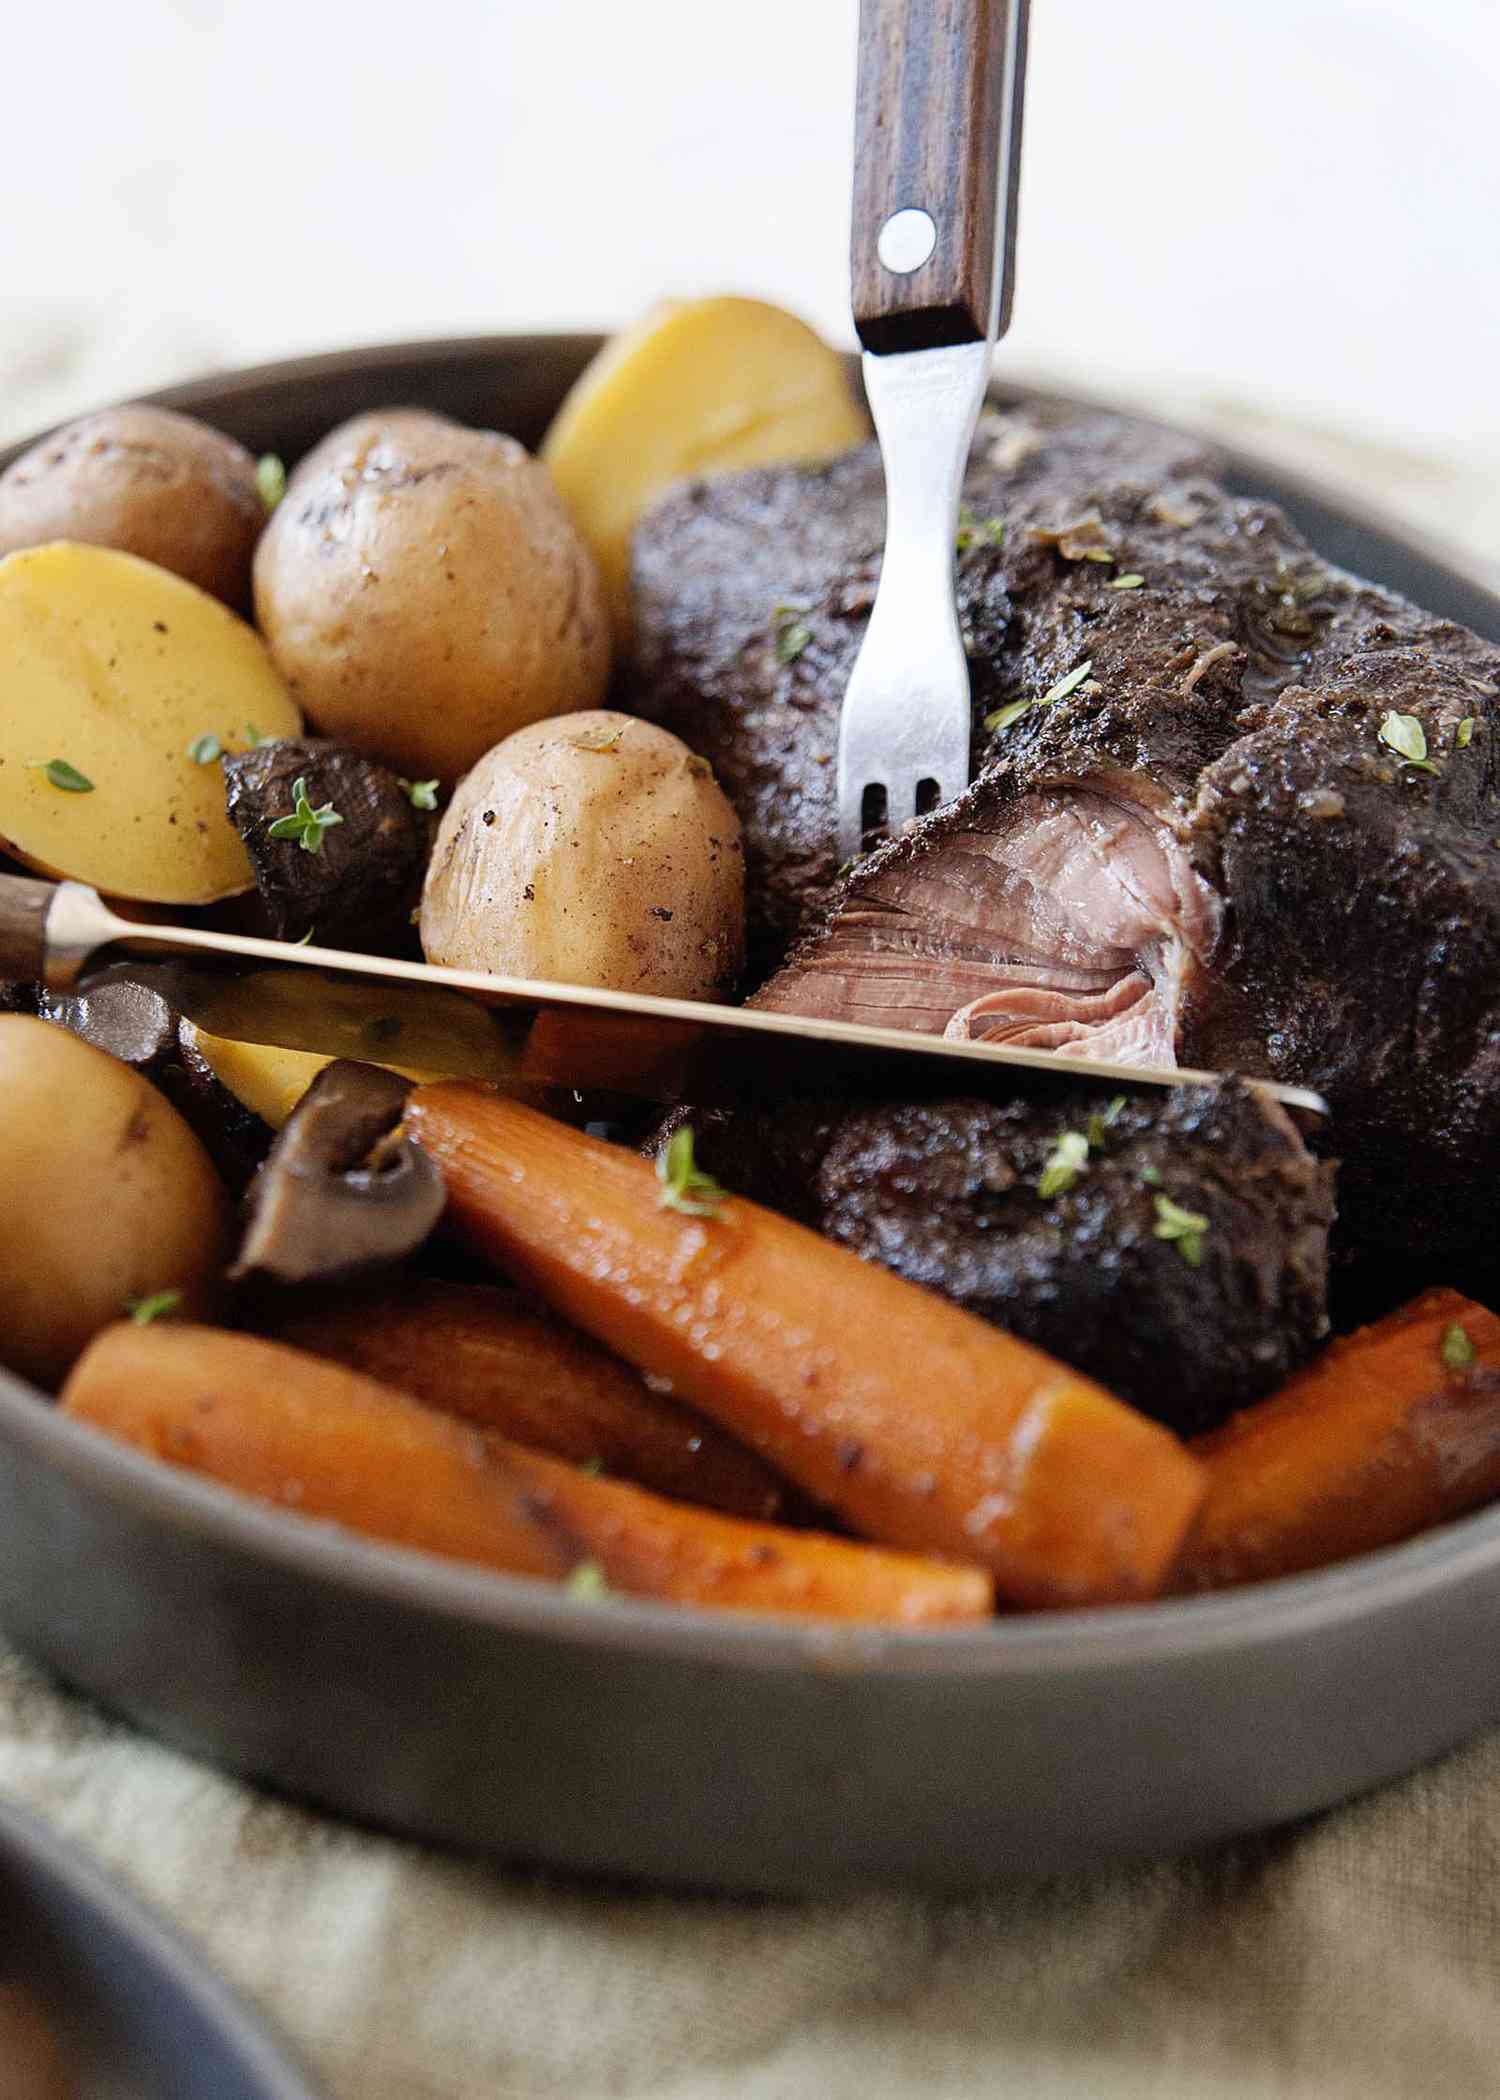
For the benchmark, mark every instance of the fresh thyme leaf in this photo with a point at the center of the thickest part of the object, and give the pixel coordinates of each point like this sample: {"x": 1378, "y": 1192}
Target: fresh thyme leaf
{"x": 699, "y": 767}
{"x": 1151, "y": 1174}
{"x": 1067, "y": 685}
{"x": 156, "y": 1307}
{"x": 1186, "y": 1227}
{"x": 1068, "y": 1159}
{"x": 203, "y": 750}
{"x": 604, "y": 738}
{"x": 587, "y": 1582}
{"x": 258, "y": 736}
{"x": 305, "y": 824}
{"x": 421, "y": 794}
{"x": 684, "y": 1185}
{"x": 1132, "y": 582}
{"x": 1004, "y": 716}
{"x": 303, "y": 939}
{"x": 1466, "y": 732}
{"x": 792, "y": 632}
{"x": 1105, "y": 1119}
{"x": 64, "y": 776}
{"x": 974, "y": 531}
{"x": 1405, "y": 735}
{"x": 270, "y": 479}
{"x": 1456, "y": 1350}
{"x": 594, "y": 1467}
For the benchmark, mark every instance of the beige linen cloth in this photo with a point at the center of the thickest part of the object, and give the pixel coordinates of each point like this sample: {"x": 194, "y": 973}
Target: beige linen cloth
{"x": 1358, "y": 1955}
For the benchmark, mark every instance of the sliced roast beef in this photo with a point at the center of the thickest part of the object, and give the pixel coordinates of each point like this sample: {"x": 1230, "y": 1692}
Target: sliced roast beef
{"x": 1141, "y": 642}
{"x": 753, "y": 591}
{"x": 957, "y": 1195}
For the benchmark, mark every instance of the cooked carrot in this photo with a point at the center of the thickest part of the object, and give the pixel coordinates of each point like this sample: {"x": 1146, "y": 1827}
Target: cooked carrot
{"x": 330, "y": 1443}
{"x": 508, "y": 1364}
{"x": 920, "y": 1425}
{"x": 1387, "y": 1432}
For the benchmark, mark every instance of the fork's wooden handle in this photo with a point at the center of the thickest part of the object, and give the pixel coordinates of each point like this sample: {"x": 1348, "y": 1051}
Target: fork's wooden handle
{"x": 23, "y": 926}
{"x": 937, "y": 108}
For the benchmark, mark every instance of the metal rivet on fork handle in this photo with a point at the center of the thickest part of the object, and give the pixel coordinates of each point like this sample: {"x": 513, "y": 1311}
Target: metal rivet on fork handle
{"x": 906, "y": 240}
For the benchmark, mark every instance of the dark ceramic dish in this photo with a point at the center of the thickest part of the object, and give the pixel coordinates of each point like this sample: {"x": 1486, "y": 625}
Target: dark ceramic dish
{"x": 723, "y": 1752}
{"x": 137, "y": 2015}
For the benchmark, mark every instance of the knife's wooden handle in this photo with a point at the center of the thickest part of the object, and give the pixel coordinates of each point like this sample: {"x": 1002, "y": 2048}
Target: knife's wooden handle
{"x": 23, "y": 926}
{"x": 937, "y": 107}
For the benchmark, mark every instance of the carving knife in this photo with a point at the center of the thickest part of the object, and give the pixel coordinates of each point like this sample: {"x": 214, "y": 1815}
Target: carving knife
{"x": 529, "y": 1037}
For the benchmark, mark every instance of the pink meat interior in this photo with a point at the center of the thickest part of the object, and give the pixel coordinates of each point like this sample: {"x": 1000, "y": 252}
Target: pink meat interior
{"x": 1074, "y": 925}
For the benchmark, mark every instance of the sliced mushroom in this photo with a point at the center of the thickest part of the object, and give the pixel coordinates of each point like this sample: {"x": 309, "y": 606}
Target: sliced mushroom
{"x": 342, "y": 1190}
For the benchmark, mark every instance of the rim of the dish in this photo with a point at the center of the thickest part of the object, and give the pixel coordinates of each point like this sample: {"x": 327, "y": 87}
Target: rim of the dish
{"x": 1164, "y": 1631}
{"x": 33, "y": 1853}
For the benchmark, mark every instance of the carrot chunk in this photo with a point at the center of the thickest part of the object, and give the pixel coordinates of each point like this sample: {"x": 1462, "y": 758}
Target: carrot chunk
{"x": 506, "y": 1363}
{"x": 327, "y": 1442}
{"x": 921, "y": 1426}
{"x": 1387, "y": 1432}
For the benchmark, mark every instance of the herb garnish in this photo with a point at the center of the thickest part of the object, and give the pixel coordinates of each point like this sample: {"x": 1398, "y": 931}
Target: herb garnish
{"x": 258, "y": 737}
{"x": 587, "y": 1581}
{"x": 1068, "y": 1159}
{"x": 203, "y": 750}
{"x": 305, "y": 824}
{"x": 1067, "y": 685}
{"x": 792, "y": 632}
{"x": 603, "y": 738}
{"x": 1466, "y": 732}
{"x": 974, "y": 531}
{"x": 421, "y": 794}
{"x": 1405, "y": 735}
{"x": 1004, "y": 716}
{"x": 684, "y": 1185}
{"x": 594, "y": 1466}
{"x": 1132, "y": 582}
{"x": 1105, "y": 1119}
{"x": 1069, "y": 1156}
{"x": 270, "y": 479}
{"x": 1456, "y": 1350}
{"x": 156, "y": 1307}
{"x": 64, "y": 776}
{"x": 1014, "y": 709}
{"x": 1186, "y": 1227}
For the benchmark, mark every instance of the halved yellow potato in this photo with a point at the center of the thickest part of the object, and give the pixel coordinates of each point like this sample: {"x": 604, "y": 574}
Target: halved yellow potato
{"x": 696, "y": 387}
{"x": 110, "y": 668}
{"x": 266, "y": 1079}
{"x": 419, "y": 1031}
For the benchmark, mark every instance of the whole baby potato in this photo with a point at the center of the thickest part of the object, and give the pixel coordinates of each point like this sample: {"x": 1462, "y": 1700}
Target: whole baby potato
{"x": 424, "y": 592}
{"x": 105, "y": 1196}
{"x": 591, "y": 850}
{"x": 145, "y": 481}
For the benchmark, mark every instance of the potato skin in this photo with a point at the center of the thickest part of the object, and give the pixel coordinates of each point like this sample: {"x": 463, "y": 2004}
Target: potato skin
{"x": 424, "y": 592}
{"x": 107, "y": 1196}
{"x": 595, "y": 850}
{"x": 146, "y": 481}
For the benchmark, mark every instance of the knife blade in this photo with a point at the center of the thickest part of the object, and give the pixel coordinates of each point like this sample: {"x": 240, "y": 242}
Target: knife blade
{"x": 527, "y": 1036}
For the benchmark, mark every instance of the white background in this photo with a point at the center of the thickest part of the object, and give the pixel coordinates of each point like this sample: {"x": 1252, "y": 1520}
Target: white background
{"x": 1286, "y": 209}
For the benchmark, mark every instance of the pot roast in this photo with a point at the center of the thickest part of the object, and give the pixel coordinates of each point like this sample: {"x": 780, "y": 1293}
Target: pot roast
{"x": 1072, "y": 1245}
{"x": 1231, "y": 807}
